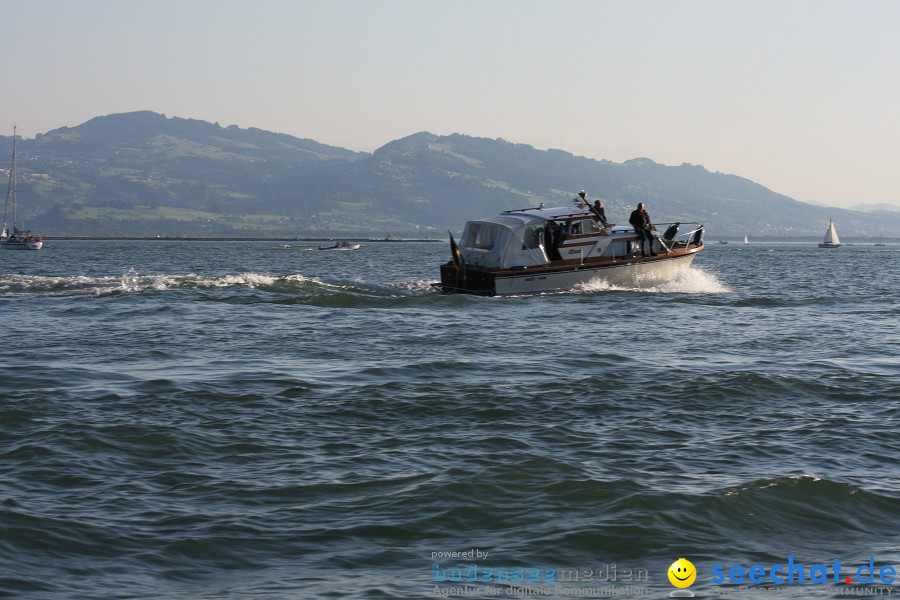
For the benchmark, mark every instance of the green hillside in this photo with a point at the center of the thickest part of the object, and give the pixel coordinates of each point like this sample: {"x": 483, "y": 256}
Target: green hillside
{"x": 144, "y": 174}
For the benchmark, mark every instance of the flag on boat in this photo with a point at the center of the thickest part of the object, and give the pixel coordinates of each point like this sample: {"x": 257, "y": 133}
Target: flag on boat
{"x": 454, "y": 251}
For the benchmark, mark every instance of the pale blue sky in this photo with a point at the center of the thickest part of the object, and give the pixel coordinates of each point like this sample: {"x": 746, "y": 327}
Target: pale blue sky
{"x": 802, "y": 96}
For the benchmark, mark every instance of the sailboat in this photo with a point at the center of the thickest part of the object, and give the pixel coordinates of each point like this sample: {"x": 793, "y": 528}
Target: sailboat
{"x": 746, "y": 239}
{"x": 831, "y": 237}
{"x": 16, "y": 239}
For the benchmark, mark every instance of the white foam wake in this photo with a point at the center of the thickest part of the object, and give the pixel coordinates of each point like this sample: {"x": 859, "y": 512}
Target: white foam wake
{"x": 693, "y": 280}
{"x": 131, "y": 281}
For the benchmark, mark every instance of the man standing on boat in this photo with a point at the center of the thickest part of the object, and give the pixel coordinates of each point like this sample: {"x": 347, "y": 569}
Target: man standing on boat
{"x": 597, "y": 208}
{"x": 640, "y": 220}
{"x": 600, "y": 212}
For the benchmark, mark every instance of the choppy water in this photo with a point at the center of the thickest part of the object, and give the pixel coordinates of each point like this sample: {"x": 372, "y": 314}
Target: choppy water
{"x": 264, "y": 420}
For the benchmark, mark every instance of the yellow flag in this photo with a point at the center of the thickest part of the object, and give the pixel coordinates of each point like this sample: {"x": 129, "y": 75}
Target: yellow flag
{"x": 454, "y": 251}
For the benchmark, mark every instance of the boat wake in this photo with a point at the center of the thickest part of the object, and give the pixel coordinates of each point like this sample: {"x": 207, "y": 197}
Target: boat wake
{"x": 132, "y": 282}
{"x": 693, "y": 280}
{"x": 302, "y": 288}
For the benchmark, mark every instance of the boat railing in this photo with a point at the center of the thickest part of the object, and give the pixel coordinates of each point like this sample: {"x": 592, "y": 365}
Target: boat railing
{"x": 579, "y": 212}
{"x": 515, "y": 210}
{"x": 676, "y": 237}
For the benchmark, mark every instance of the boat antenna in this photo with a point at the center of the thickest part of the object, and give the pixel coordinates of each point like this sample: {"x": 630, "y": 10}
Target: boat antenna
{"x": 581, "y": 201}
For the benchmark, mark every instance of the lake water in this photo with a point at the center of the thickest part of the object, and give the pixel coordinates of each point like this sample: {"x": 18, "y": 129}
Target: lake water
{"x": 187, "y": 419}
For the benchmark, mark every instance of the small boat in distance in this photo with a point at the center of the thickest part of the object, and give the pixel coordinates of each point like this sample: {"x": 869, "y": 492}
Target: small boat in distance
{"x": 831, "y": 237}
{"x": 341, "y": 246}
{"x": 746, "y": 240}
{"x": 535, "y": 250}
{"x": 16, "y": 239}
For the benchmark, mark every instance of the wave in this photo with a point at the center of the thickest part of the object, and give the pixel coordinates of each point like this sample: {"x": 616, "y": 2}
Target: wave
{"x": 693, "y": 280}
{"x": 131, "y": 282}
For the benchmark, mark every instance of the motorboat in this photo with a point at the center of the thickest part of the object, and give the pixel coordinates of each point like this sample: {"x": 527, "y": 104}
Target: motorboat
{"x": 341, "y": 246}
{"x": 517, "y": 253}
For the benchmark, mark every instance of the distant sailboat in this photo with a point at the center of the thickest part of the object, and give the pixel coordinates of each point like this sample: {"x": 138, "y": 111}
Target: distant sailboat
{"x": 16, "y": 239}
{"x": 831, "y": 237}
{"x": 746, "y": 239}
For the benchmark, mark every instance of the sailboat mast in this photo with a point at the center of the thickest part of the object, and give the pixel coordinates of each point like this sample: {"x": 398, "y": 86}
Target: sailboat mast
{"x": 10, "y": 189}
{"x": 13, "y": 179}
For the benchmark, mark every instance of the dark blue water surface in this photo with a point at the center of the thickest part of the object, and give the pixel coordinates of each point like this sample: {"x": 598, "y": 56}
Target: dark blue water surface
{"x": 187, "y": 419}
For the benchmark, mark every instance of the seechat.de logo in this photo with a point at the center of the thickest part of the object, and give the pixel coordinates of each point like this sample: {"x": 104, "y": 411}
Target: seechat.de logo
{"x": 792, "y": 572}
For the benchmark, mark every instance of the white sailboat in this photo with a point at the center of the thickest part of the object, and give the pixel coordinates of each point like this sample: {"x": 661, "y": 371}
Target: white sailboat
{"x": 16, "y": 239}
{"x": 831, "y": 237}
{"x": 746, "y": 239}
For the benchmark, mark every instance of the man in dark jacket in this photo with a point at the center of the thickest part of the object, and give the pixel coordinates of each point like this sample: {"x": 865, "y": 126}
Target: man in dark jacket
{"x": 600, "y": 212}
{"x": 640, "y": 220}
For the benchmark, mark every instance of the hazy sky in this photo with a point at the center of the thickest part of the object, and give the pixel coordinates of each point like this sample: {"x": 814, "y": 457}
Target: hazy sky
{"x": 802, "y": 96}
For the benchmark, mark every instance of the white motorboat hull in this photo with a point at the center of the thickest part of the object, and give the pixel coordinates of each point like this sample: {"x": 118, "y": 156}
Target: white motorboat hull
{"x": 631, "y": 272}
{"x": 624, "y": 274}
{"x": 348, "y": 247}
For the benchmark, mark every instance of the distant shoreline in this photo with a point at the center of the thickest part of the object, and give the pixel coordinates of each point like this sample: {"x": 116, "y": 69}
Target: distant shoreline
{"x": 709, "y": 240}
{"x": 233, "y": 239}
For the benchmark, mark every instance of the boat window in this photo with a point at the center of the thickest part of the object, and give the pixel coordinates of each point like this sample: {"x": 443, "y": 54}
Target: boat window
{"x": 482, "y": 236}
{"x": 532, "y": 237}
{"x": 584, "y": 227}
{"x": 618, "y": 248}
{"x": 590, "y": 226}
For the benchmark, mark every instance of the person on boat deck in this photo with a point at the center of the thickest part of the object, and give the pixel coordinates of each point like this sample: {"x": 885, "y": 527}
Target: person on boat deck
{"x": 640, "y": 220}
{"x": 552, "y": 235}
{"x": 600, "y": 212}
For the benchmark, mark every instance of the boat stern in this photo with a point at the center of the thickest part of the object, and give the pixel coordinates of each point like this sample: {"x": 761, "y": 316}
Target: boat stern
{"x": 466, "y": 281}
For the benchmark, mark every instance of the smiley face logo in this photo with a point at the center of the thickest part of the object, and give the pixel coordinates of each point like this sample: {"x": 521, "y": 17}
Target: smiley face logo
{"x": 682, "y": 573}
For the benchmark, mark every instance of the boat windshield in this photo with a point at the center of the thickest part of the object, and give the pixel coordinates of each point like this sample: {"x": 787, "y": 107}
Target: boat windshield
{"x": 584, "y": 227}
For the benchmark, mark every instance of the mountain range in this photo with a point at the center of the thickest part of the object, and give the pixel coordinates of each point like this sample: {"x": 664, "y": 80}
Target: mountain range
{"x": 146, "y": 174}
